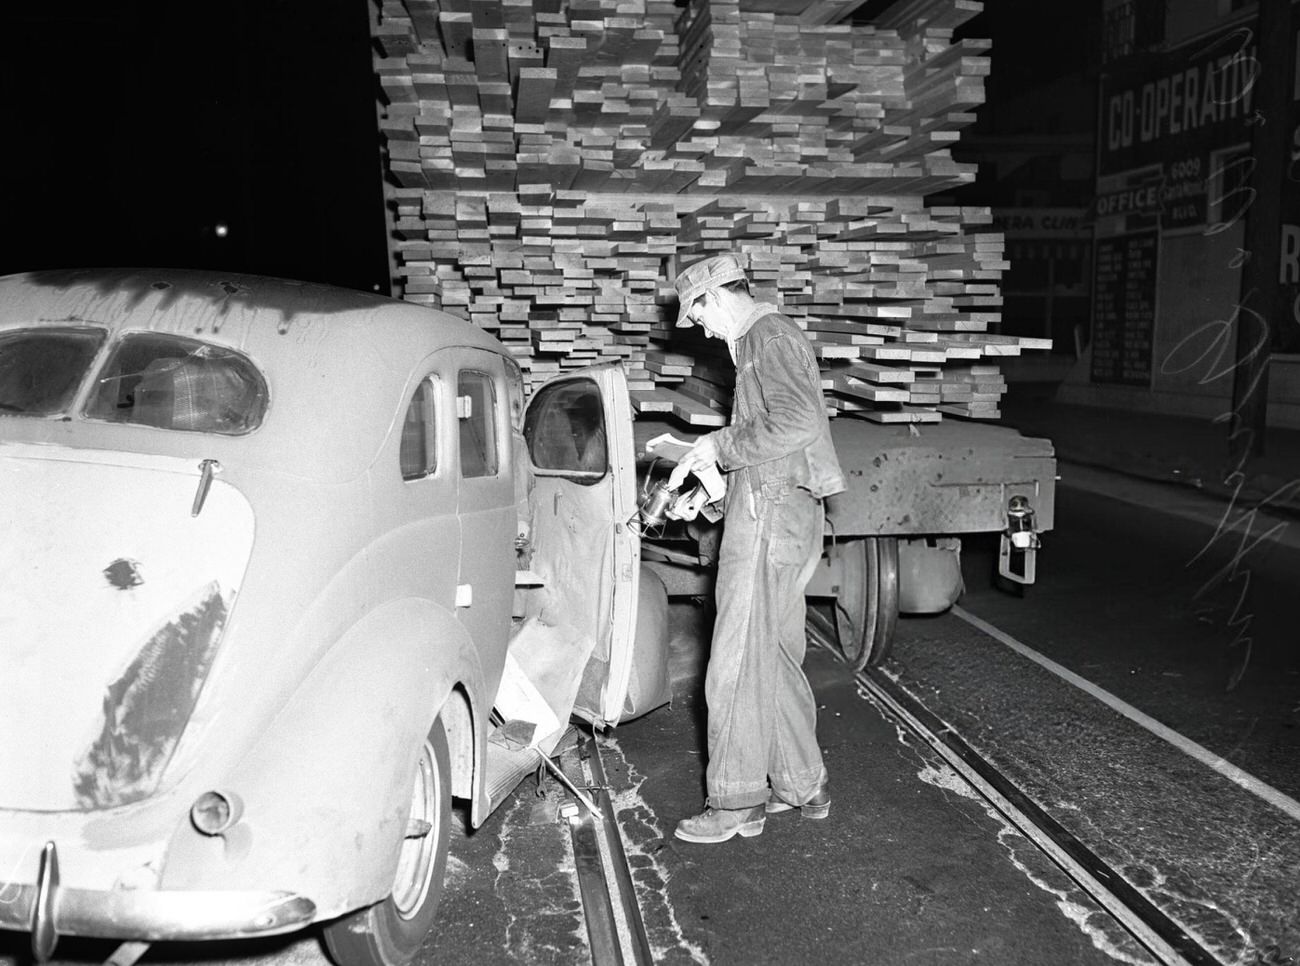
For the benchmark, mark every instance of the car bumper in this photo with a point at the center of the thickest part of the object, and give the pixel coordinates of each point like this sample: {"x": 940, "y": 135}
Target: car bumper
{"x": 48, "y": 910}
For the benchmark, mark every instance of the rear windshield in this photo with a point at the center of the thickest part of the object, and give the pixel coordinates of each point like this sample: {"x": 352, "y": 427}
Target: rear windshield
{"x": 178, "y": 383}
{"x": 40, "y": 369}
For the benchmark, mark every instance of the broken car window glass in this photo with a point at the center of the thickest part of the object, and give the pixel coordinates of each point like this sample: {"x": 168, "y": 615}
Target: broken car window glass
{"x": 177, "y": 383}
{"x": 40, "y": 369}
{"x": 566, "y": 430}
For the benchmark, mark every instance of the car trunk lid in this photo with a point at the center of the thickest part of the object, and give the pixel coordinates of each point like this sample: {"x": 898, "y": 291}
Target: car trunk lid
{"x": 119, "y": 574}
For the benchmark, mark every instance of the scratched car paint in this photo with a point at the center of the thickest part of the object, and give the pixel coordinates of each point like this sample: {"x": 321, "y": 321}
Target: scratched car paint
{"x": 273, "y": 553}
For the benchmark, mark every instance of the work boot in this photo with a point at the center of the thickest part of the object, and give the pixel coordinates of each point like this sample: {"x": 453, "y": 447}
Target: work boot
{"x": 819, "y": 806}
{"x": 720, "y": 824}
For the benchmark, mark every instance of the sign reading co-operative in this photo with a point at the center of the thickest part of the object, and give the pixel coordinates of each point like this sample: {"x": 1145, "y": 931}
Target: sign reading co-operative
{"x": 1174, "y": 112}
{"x": 1195, "y": 96}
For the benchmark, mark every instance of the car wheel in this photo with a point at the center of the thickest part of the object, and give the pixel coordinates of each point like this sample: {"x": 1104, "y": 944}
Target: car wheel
{"x": 390, "y": 933}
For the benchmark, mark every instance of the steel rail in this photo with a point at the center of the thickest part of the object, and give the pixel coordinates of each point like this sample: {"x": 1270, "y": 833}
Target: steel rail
{"x": 1156, "y": 932}
{"x": 641, "y": 953}
{"x": 615, "y": 928}
{"x": 597, "y": 907}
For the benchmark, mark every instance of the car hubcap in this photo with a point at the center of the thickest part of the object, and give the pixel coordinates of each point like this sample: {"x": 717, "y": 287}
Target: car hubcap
{"x": 415, "y": 864}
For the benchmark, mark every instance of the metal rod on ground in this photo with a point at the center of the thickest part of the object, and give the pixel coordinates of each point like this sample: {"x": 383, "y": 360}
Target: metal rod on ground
{"x": 563, "y": 779}
{"x": 495, "y": 717}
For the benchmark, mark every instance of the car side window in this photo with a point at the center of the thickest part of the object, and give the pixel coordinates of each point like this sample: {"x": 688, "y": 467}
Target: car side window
{"x": 419, "y": 449}
{"x": 476, "y": 405}
{"x": 566, "y": 430}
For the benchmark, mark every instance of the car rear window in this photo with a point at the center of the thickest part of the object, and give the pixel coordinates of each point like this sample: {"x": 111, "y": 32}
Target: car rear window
{"x": 40, "y": 369}
{"x": 182, "y": 384}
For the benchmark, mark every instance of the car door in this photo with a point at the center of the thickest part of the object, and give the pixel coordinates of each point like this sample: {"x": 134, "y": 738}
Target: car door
{"x": 578, "y": 430}
{"x": 485, "y": 500}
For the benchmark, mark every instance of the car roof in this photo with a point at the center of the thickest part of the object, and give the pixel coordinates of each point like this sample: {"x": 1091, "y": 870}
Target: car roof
{"x": 337, "y": 361}
{"x": 238, "y": 310}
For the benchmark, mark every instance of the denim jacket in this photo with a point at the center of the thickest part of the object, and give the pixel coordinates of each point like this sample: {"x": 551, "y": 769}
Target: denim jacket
{"x": 779, "y": 433}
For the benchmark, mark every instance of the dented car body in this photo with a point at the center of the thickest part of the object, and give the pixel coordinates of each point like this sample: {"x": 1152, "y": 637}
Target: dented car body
{"x": 271, "y": 550}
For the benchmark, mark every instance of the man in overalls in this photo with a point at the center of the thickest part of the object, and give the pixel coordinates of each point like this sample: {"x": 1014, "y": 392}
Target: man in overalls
{"x": 780, "y": 465}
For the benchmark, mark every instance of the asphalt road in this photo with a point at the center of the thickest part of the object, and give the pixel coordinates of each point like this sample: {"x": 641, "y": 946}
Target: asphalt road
{"x": 1147, "y": 610}
{"x": 909, "y": 868}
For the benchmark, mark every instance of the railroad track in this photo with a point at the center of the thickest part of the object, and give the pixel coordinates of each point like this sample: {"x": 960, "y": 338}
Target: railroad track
{"x": 1163, "y": 938}
{"x": 615, "y": 929}
{"x": 617, "y": 934}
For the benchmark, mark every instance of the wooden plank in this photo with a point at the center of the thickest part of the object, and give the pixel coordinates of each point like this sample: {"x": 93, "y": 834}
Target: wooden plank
{"x": 903, "y": 414}
{"x": 846, "y": 385}
{"x": 804, "y": 145}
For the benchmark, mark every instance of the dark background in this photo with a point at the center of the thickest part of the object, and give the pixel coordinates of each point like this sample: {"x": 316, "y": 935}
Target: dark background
{"x": 134, "y": 129}
{"x": 137, "y": 127}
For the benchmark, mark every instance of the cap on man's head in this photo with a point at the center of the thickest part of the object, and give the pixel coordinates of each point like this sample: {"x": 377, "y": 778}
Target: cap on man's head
{"x": 695, "y": 280}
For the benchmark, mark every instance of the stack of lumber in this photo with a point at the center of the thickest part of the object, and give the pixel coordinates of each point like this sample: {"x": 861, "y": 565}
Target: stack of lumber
{"x": 553, "y": 163}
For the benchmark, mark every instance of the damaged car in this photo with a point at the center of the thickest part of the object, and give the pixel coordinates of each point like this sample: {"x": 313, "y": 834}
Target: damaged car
{"x": 279, "y": 560}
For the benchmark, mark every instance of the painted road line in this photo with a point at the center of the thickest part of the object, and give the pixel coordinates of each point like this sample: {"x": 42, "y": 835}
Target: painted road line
{"x": 1218, "y": 763}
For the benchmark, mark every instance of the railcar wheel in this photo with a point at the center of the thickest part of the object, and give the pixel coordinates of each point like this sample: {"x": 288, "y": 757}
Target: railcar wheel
{"x": 866, "y": 611}
{"x": 390, "y": 932}
{"x": 884, "y": 576}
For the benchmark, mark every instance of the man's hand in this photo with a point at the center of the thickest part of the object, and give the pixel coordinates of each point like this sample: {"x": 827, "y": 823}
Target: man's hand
{"x": 702, "y": 456}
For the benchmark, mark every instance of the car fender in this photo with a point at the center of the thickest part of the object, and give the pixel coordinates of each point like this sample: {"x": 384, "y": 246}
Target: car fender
{"x": 324, "y": 794}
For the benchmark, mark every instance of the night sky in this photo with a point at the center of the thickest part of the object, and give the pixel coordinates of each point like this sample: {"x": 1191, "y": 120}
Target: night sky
{"x": 139, "y": 127}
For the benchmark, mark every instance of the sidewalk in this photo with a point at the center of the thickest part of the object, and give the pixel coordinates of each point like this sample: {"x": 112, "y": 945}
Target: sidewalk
{"x": 1181, "y": 452}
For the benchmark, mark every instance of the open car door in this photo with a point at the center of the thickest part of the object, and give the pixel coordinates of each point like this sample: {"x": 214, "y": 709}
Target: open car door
{"x": 578, "y": 430}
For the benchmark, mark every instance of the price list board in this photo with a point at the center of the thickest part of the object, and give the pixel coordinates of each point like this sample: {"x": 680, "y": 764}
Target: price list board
{"x": 1124, "y": 308}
